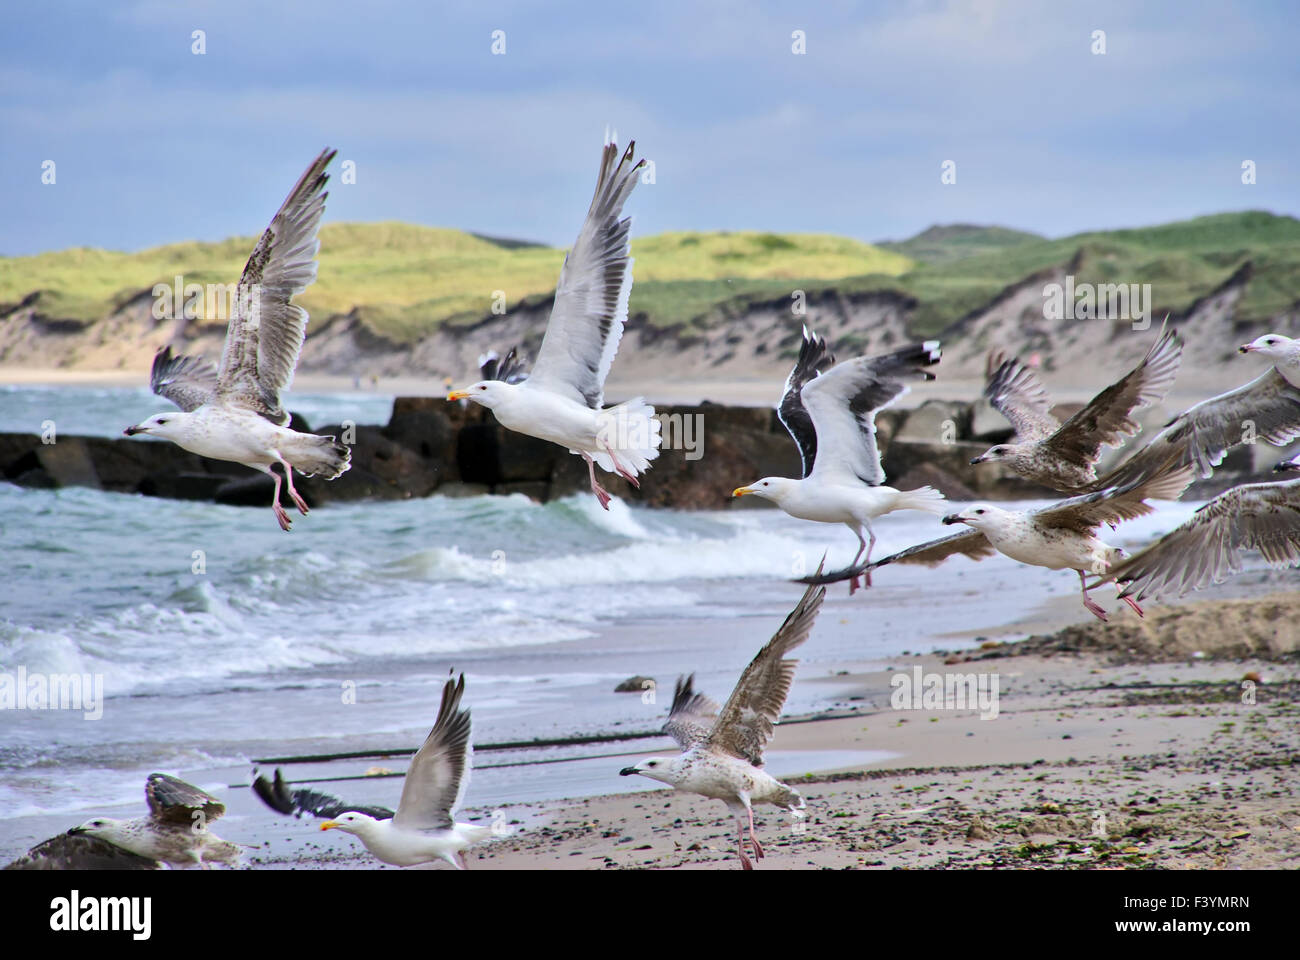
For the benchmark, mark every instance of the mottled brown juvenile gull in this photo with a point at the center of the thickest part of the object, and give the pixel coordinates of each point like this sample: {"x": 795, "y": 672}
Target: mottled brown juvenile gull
{"x": 832, "y": 417}
{"x": 234, "y": 412}
{"x": 1207, "y": 548}
{"x": 174, "y": 832}
{"x": 1064, "y": 456}
{"x": 1062, "y": 536}
{"x": 563, "y": 398}
{"x": 71, "y": 851}
{"x": 722, "y": 751}
{"x": 424, "y": 827}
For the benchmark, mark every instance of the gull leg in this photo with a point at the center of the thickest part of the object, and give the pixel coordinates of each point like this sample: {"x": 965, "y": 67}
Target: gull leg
{"x": 855, "y": 583}
{"x": 298, "y": 501}
{"x": 601, "y": 493}
{"x": 618, "y": 466}
{"x": 758, "y": 847}
{"x": 1132, "y": 603}
{"x": 1089, "y": 604}
{"x": 280, "y": 514}
{"x": 740, "y": 843}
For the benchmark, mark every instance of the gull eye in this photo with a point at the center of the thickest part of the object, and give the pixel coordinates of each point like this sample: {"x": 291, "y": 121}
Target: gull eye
{"x": 483, "y": 387}
{"x": 979, "y": 511}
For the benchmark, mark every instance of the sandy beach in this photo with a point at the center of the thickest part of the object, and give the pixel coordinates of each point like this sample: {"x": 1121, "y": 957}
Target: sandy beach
{"x": 1102, "y": 755}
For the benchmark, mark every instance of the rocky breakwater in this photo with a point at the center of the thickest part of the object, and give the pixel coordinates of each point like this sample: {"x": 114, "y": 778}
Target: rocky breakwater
{"x": 430, "y": 447}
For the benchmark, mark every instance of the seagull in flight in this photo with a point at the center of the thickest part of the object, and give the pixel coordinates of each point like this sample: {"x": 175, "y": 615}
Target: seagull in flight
{"x": 1062, "y": 536}
{"x": 233, "y": 412}
{"x": 1064, "y": 456}
{"x": 1207, "y": 548}
{"x": 830, "y": 411}
{"x": 563, "y": 398}
{"x": 722, "y": 750}
{"x": 424, "y": 827}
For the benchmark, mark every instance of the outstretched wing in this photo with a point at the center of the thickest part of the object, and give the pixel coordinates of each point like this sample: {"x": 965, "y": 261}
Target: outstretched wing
{"x": 175, "y": 801}
{"x": 1015, "y": 391}
{"x": 1083, "y": 513}
{"x": 590, "y": 310}
{"x": 439, "y": 771}
{"x": 1207, "y": 548}
{"x": 692, "y": 716}
{"x": 295, "y": 803}
{"x": 266, "y": 329}
{"x": 81, "y": 852}
{"x": 814, "y": 357}
{"x": 188, "y": 382}
{"x": 1107, "y": 419}
{"x": 750, "y": 714}
{"x": 493, "y": 366}
{"x": 969, "y": 543}
{"x": 1267, "y": 408}
{"x": 843, "y": 402}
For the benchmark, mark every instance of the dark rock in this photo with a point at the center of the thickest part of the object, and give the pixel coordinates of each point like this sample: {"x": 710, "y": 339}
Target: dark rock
{"x": 635, "y": 684}
{"x": 68, "y": 463}
{"x": 929, "y": 475}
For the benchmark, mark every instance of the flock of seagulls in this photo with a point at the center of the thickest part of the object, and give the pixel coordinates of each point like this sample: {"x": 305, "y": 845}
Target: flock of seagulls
{"x": 234, "y": 412}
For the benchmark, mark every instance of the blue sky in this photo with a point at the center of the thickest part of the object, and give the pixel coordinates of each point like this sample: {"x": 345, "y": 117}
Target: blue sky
{"x": 154, "y": 144}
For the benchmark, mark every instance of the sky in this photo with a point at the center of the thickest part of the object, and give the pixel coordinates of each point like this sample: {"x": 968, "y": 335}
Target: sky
{"x": 153, "y": 143}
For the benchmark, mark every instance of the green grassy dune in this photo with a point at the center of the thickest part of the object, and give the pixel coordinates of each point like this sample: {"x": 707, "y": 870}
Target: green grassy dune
{"x": 406, "y": 279}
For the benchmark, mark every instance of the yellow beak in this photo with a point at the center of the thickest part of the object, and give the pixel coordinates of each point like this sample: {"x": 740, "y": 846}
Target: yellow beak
{"x": 458, "y": 395}
{"x": 329, "y": 825}
{"x": 741, "y": 491}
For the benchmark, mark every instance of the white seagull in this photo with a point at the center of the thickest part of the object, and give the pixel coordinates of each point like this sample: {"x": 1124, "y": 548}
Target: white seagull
{"x": 175, "y": 831}
{"x": 234, "y": 412}
{"x": 1207, "y": 548}
{"x": 562, "y": 400}
{"x": 832, "y": 418}
{"x": 722, "y": 752}
{"x": 424, "y": 828}
{"x": 1062, "y": 536}
{"x": 1064, "y": 456}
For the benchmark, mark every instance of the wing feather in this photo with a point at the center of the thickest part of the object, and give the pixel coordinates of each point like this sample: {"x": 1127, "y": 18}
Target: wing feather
{"x": 1207, "y": 548}
{"x": 175, "y": 801}
{"x": 692, "y": 715}
{"x": 188, "y": 382}
{"x": 814, "y": 357}
{"x": 439, "y": 772}
{"x": 842, "y": 404}
{"x": 1016, "y": 392}
{"x": 1107, "y": 419}
{"x": 969, "y": 543}
{"x": 590, "y": 310}
{"x": 750, "y": 714}
{"x": 266, "y": 329}
{"x": 295, "y": 803}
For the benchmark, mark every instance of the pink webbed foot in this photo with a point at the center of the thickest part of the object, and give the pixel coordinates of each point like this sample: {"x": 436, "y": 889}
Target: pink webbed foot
{"x": 1134, "y": 604}
{"x": 282, "y": 516}
{"x": 854, "y": 586}
{"x": 1095, "y": 609}
{"x": 602, "y": 495}
{"x": 745, "y": 863}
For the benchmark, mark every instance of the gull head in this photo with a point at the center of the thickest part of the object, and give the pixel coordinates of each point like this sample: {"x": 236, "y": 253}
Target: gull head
{"x": 978, "y": 515}
{"x": 169, "y": 426}
{"x": 351, "y": 822}
{"x": 769, "y": 488}
{"x": 103, "y": 827}
{"x": 656, "y": 768}
{"x": 1272, "y": 345}
{"x": 487, "y": 393}
{"x": 996, "y": 454}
